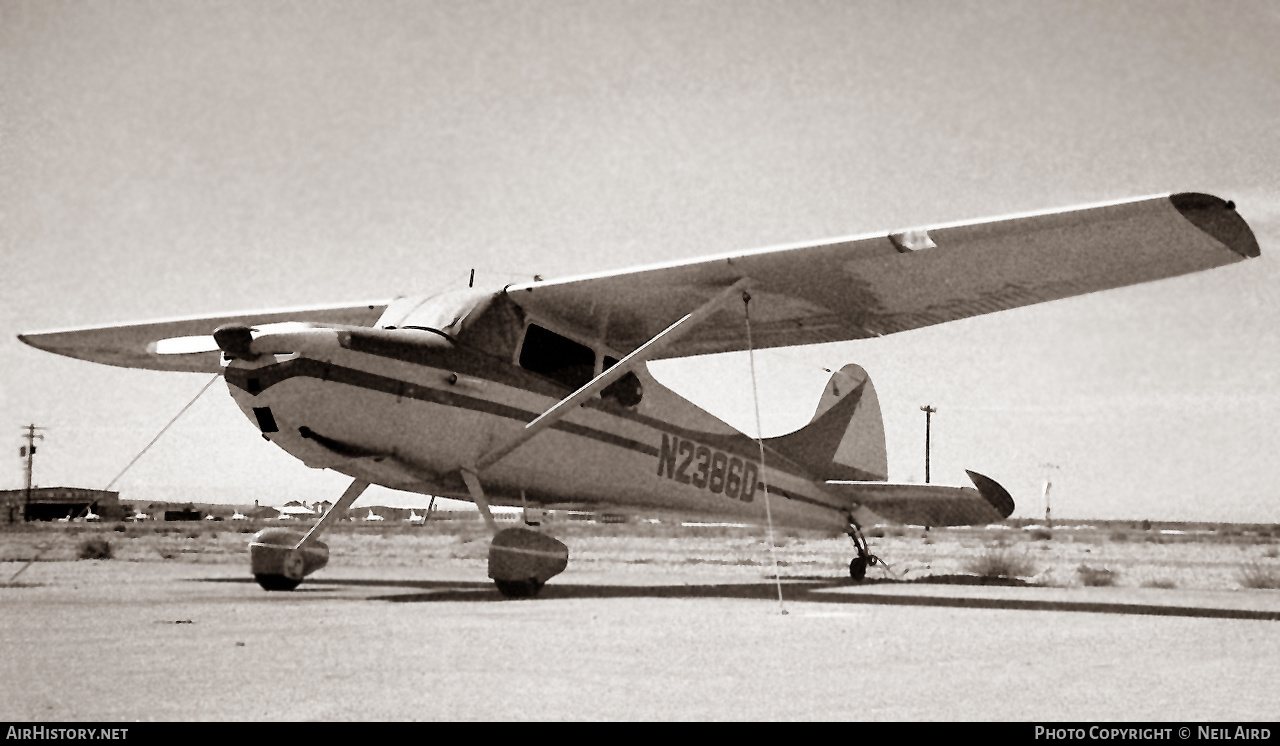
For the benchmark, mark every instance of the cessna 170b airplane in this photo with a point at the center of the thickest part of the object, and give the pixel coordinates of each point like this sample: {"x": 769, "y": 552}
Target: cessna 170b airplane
{"x": 538, "y": 393}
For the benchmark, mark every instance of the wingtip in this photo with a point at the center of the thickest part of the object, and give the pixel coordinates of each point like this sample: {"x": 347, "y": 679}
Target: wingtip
{"x": 1218, "y": 218}
{"x": 28, "y": 340}
{"x": 993, "y": 493}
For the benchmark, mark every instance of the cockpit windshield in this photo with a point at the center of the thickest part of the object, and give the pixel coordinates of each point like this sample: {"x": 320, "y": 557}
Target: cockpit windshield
{"x": 481, "y": 320}
{"x": 443, "y": 313}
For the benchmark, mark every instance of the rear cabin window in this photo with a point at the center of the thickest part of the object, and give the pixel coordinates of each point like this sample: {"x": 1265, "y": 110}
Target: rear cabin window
{"x": 556, "y": 357}
{"x": 627, "y": 390}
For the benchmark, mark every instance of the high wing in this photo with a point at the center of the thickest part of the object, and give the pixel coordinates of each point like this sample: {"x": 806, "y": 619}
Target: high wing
{"x": 829, "y": 291}
{"x": 185, "y": 344}
{"x": 869, "y": 286}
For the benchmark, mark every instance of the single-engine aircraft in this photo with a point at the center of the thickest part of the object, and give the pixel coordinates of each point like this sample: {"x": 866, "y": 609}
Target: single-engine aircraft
{"x": 538, "y": 393}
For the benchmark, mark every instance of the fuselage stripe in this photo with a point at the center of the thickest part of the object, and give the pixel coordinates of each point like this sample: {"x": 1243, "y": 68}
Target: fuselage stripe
{"x": 270, "y": 375}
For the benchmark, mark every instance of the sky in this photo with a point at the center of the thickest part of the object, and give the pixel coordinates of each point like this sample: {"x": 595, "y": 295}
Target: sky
{"x": 172, "y": 158}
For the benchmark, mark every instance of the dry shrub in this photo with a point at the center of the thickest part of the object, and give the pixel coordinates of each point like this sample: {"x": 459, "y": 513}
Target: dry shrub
{"x": 94, "y": 547}
{"x": 1119, "y": 536}
{"x": 1160, "y": 583}
{"x": 1096, "y": 576}
{"x": 1001, "y": 562}
{"x": 1258, "y": 575}
{"x": 1273, "y": 553}
{"x": 1041, "y": 534}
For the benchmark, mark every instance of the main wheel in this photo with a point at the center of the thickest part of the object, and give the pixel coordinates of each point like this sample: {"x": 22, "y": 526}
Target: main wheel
{"x": 858, "y": 568}
{"x": 518, "y": 588}
{"x": 276, "y": 582}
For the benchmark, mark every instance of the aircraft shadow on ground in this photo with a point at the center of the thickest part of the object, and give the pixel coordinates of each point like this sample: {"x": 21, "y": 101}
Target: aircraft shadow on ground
{"x": 794, "y": 590}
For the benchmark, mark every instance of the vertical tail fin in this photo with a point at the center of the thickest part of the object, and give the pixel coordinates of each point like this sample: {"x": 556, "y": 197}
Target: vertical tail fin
{"x": 845, "y": 438}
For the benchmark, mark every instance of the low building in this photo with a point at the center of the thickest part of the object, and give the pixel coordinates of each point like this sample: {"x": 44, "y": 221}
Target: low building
{"x": 54, "y": 503}
{"x": 184, "y": 514}
{"x": 295, "y": 510}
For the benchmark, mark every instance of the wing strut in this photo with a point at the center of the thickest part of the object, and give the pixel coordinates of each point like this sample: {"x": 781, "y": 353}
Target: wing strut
{"x": 635, "y": 358}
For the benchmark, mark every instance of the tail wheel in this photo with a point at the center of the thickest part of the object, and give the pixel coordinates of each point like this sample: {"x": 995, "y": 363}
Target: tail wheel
{"x": 519, "y": 588}
{"x": 858, "y": 568}
{"x": 277, "y": 582}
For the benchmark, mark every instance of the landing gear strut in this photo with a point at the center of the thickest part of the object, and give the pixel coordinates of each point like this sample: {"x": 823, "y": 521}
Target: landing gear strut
{"x": 281, "y": 558}
{"x": 521, "y": 560}
{"x": 858, "y": 565}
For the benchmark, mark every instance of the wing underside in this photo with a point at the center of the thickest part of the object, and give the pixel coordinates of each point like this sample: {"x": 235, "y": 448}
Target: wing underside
{"x": 880, "y": 284}
{"x": 185, "y": 344}
{"x": 829, "y": 291}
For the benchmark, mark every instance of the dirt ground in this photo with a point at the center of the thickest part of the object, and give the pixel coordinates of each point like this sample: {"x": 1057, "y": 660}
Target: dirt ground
{"x": 648, "y": 622}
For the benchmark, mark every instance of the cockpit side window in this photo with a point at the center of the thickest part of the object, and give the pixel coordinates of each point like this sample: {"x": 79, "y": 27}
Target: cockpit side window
{"x": 556, "y": 357}
{"x": 494, "y": 328}
{"x": 627, "y": 390}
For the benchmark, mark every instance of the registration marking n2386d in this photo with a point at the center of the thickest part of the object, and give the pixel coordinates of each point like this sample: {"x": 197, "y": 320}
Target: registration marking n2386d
{"x": 706, "y": 468}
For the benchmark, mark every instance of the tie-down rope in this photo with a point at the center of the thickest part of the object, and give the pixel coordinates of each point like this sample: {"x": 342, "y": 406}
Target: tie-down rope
{"x": 147, "y": 447}
{"x": 755, "y": 396}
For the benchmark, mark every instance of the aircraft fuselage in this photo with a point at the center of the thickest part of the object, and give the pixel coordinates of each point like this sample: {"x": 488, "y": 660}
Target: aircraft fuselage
{"x": 411, "y": 413}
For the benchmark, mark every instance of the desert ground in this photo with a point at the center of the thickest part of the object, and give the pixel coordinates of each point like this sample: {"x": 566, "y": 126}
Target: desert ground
{"x": 651, "y": 621}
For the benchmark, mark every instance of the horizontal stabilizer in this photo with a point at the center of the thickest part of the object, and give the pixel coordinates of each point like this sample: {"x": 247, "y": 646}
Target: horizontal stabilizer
{"x": 931, "y": 504}
{"x": 184, "y": 344}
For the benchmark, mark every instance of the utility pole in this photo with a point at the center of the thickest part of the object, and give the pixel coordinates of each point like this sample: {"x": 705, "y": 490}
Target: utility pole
{"x": 928, "y": 414}
{"x": 29, "y": 451}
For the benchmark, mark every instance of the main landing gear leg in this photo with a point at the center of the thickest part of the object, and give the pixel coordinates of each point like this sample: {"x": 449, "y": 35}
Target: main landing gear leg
{"x": 858, "y": 565}
{"x": 281, "y": 558}
{"x": 521, "y": 560}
